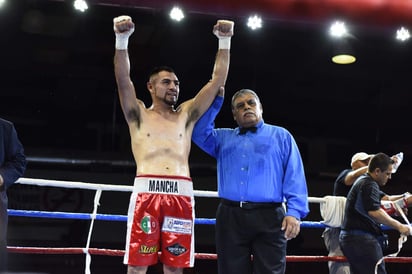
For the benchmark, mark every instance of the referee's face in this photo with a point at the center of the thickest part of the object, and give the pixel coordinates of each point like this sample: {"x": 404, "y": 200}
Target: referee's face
{"x": 247, "y": 110}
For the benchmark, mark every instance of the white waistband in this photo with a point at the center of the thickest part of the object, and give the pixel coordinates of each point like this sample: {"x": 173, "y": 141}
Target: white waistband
{"x": 167, "y": 185}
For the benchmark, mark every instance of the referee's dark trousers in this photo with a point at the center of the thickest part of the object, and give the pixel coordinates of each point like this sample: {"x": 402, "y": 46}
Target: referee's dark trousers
{"x": 249, "y": 238}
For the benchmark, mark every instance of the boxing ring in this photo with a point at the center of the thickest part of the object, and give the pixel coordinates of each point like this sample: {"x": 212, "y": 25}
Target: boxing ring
{"x": 93, "y": 216}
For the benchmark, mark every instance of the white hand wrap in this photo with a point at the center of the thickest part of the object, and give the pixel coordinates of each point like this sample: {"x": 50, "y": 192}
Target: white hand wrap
{"x": 224, "y": 42}
{"x": 122, "y": 38}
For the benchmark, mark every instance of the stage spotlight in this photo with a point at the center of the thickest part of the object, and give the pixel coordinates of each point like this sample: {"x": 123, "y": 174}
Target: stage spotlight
{"x": 80, "y": 5}
{"x": 254, "y": 22}
{"x": 176, "y": 14}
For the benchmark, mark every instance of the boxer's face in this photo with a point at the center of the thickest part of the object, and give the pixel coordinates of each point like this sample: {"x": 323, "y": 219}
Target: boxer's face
{"x": 165, "y": 86}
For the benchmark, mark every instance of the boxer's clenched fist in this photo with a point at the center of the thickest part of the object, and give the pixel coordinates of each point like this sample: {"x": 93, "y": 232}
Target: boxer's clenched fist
{"x": 223, "y": 28}
{"x": 123, "y": 27}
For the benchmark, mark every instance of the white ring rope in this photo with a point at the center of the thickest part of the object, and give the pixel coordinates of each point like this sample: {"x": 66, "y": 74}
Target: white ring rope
{"x": 93, "y": 186}
{"x": 111, "y": 187}
{"x": 86, "y": 250}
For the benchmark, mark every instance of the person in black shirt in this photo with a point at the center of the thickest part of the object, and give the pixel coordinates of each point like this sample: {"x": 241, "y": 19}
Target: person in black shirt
{"x": 361, "y": 228}
{"x": 343, "y": 183}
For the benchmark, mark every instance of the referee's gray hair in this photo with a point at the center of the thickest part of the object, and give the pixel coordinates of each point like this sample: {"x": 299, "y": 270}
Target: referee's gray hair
{"x": 241, "y": 92}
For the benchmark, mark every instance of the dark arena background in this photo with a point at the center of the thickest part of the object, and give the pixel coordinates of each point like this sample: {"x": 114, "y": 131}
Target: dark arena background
{"x": 58, "y": 87}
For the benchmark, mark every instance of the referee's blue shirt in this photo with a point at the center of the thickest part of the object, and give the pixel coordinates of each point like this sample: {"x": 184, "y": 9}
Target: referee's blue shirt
{"x": 265, "y": 166}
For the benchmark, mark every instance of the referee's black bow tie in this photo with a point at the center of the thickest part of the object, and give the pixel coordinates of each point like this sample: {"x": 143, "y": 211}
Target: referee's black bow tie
{"x": 243, "y": 130}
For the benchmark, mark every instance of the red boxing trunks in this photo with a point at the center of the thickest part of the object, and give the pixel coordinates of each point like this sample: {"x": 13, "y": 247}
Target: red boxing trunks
{"x": 161, "y": 218}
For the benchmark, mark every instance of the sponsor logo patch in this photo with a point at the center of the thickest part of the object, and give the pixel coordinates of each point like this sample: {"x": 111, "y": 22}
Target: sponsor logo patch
{"x": 144, "y": 249}
{"x": 148, "y": 224}
{"x": 182, "y": 226}
{"x": 176, "y": 249}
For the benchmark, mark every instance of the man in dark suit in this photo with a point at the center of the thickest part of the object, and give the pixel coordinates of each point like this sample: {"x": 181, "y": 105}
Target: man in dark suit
{"x": 12, "y": 167}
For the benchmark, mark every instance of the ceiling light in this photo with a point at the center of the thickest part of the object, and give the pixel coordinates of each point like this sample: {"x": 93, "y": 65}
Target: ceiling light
{"x": 338, "y": 29}
{"x": 176, "y": 14}
{"x": 402, "y": 34}
{"x": 343, "y": 59}
{"x": 80, "y": 5}
{"x": 343, "y": 53}
{"x": 254, "y": 22}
